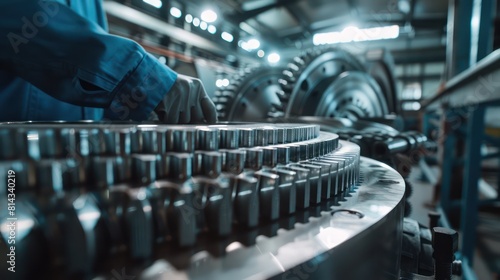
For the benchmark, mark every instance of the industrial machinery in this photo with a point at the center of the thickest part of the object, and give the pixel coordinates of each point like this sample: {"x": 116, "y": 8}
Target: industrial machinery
{"x": 254, "y": 94}
{"x": 379, "y": 64}
{"x": 329, "y": 82}
{"x": 400, "y": 150}
{"x": 225, "y": 201}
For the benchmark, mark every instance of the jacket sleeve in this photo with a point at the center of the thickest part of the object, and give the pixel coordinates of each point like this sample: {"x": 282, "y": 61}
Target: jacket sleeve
{"x": 76, "y": 61}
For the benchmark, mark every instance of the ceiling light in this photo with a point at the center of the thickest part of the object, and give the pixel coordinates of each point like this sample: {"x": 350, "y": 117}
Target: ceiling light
{"x": 175, "y": 12}
{"x": 253, "y": 44}
{"x": 196, "y": 22}
{"x": 222, "y": 83}
{"x": 227, "y": 37}
{"x": 244, "y": 45}
{"x": 212, "y": 29}
{"x": 354, "y": 34}
{"x": 209, "y": 16}
{"x": 155, "y": 3}
{"x": 189, "y": 18}
{"x": 261, "y": 53}
{"x": 203, "y": 25}
{"x": 273, "y": 58}
{"x": 250, "y": 45}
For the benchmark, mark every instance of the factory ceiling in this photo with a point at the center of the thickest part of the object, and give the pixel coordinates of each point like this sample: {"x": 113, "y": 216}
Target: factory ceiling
{"x": 290, "y": 25}
{"x": 289, "y": 21}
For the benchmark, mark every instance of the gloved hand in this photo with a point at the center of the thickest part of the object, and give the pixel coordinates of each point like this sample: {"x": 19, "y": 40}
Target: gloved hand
{"x": 187, "y": 102}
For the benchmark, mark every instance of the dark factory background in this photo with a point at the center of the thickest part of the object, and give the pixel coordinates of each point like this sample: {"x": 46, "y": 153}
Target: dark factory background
{"x": 356, "y": 140}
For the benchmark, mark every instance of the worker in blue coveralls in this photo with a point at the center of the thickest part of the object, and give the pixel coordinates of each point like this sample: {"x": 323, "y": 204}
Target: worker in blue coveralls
{"x": 57, "y": 62}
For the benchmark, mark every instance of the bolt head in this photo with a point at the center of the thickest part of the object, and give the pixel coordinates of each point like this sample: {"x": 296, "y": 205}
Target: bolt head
{"x": 445, "y": 243}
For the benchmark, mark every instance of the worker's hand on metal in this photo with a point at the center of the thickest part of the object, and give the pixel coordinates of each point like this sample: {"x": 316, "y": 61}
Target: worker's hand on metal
{"x": 187, "y": 102}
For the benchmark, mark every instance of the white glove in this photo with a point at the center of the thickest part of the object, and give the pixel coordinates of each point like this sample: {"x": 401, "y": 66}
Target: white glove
{"x": 187, "y": 102}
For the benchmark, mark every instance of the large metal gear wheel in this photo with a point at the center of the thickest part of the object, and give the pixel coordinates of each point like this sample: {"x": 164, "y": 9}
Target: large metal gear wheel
{"x": 380, "y": 65}
{"x": 310, "y": 74}
{"x": 223, "y": 202}
{"x": 352, "y": 95}
{"x": 342, "y": 125}
{"x": 253, "y": 95}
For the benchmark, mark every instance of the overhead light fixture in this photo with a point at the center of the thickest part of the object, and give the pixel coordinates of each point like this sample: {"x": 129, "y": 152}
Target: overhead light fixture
{"x": 261, "y": 53}
{"x": 228, "y": 37}
{"x": 250, "y": 45}
{"x": 273, "y": 58}
{"x": 189, "y": 18}
{"x": 155, "y": 3}
{"x": 253, "y": 44}
{"x": 222, "y": 83}
{"x": 212, "y": 29}
{"x": 203, "y": 25}
{"x": 196, "y": 22}
{"x": 209, "y": 16}
{"x": 175, "y": 12}
{"x": 354, "y": 34}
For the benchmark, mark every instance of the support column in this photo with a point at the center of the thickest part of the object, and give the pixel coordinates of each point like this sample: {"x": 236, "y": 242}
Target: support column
{"x": 458, "y": 42}
{"x": 483, "y": 13}
{"x": 469, "y": 217}
{"x": 469, "y": 33}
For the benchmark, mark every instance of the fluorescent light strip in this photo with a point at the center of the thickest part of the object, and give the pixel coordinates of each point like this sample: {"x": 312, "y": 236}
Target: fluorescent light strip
{"x": 196, "y": 22}
{"x": 250, "y": 45}
{"x": 203, "y": 25}
{"x": 209, "y": 16}
{"x": 354, "y": 34}
{"x": 273, "y": 58}
{"x": 227, "y": 37}
{"x": 212, "y": 29}
{"x": 155, "y": 3}
{"x": 175, "y": 12}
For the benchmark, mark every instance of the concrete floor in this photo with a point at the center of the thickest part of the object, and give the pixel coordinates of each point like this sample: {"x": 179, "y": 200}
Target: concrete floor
{"x": 487, "y": 260}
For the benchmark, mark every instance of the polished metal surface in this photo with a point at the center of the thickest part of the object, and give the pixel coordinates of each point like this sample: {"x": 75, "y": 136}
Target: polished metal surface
{"x": 356, "y": 237}
{"x": 352, "y": 95}
{"x": 181, "y": 200}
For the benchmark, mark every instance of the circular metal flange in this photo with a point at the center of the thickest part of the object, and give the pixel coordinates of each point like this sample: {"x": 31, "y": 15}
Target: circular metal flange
{"x": 199, "y": 187}
{"x": 332, "y": 245}
{"x": 380, "y": 65}
{"x": 352, "y": 95}
{"x": 253, "y": 95}
{"x": 310, "y": 74}
{"x": 343, "y": 125}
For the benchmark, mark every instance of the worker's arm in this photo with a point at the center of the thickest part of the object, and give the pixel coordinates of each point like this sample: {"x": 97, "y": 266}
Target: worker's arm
{"x": 76, "y": 61}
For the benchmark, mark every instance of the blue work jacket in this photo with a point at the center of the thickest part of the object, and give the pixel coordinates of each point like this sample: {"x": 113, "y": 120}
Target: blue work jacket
{"x": 57, "y": 62}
